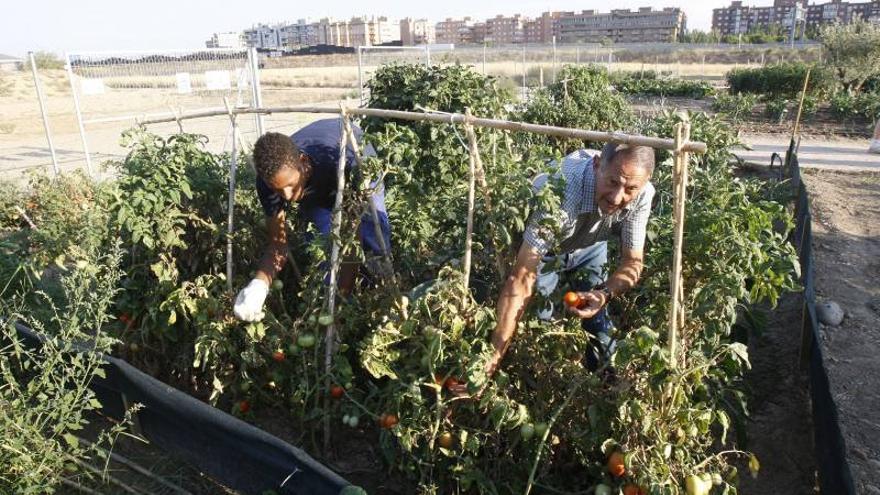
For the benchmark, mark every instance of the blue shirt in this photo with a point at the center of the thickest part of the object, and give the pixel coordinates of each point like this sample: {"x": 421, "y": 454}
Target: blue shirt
{"x": 320, "y": 142}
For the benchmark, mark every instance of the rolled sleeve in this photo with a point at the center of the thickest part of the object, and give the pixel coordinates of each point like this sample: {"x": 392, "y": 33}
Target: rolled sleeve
{"x": 635, "y": 227}
{"x": 534, "y": 236}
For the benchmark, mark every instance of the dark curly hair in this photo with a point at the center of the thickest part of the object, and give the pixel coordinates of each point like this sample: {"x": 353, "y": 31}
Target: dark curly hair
{"x": 273, "y": 151}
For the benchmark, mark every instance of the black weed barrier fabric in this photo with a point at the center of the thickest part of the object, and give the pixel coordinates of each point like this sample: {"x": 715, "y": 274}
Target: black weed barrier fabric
{"x": 227, "y": 449}
{"x": 834, "y": 473}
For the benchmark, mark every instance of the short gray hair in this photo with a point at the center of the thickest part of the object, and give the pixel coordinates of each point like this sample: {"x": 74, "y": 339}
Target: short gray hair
{"x": 643, "y": 156}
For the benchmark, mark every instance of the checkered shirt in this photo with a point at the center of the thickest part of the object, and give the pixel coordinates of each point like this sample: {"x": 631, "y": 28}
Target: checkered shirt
{"x": 582, "y": 223}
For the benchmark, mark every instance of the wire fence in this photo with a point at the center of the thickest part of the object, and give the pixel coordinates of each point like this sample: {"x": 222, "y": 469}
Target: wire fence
{"x": 104, "y": 93}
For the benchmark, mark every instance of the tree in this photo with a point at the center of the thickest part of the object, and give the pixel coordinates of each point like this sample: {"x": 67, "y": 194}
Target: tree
{"x": 48, "y": 60}
{"x": 852, "y": 51}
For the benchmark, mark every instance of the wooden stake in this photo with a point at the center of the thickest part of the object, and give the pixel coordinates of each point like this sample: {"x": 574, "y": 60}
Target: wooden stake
{"x": 374, "y": 214}
{"x": 484, "y": 187}
{"x": 679, "y": 187}
{"x": 233, "y": 169}
{"x": 797, "y": 120}
{"x": 472, "y": 174}
{"x": 330, "y": 336}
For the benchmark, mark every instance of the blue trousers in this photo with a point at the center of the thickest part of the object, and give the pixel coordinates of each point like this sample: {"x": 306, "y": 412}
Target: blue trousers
{"x": 583, "y": 269}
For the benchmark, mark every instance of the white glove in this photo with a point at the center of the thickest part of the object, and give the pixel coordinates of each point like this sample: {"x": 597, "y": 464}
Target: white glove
{"x": 249, "y": 303}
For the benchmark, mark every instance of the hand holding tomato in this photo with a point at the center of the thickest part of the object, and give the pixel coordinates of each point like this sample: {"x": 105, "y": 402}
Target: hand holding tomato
{"x": 588, "y": 303}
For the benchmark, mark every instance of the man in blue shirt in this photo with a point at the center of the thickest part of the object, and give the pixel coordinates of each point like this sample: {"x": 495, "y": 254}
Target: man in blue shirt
{"x": 302, "y": 168}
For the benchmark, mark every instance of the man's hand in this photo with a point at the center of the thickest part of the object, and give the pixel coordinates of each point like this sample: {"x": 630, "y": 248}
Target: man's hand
{"x": 249, "y": 303}
{"x": 591, "y": 303}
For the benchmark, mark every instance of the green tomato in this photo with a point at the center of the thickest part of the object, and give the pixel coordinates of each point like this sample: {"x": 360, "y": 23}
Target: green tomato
{"x": 305, "y": 340}
{"x": 345, "y": 419}
{"x": 325, "y": 319}
{"x": 540, "y": 429}
{"x": 293, "y": 348}
{"x": 277, "y": 284}
{"x": 527, "y": 431}
{"x": 353, "y": 421}
{"x": 312, "y": 319}
{"x": 244, "y": 386}
{"x": 716, "y": 479}
{"x": 602, "y": 489}
{"x": 696, "y": 485}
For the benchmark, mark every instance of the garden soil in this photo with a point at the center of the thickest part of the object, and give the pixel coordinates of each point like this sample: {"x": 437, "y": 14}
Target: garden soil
{"x": 846, "y": 247}
{"x": 780, "y": 428}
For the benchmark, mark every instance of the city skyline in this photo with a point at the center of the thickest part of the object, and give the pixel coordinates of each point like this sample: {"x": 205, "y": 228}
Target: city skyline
{"x": 161, "y": 24}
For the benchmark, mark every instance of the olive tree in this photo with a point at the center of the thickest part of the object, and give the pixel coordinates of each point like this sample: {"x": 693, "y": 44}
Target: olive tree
{"x": 852, "y": 51}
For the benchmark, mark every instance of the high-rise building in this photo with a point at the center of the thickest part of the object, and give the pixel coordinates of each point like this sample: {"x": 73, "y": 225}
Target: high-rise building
{"x": 417, "y": 32}
{"x": 622, "y": 25}
{"x": 740, "y": 19}
{"x": 504, "y": 29}
{"x": 456, "y": 31}
{"x": 226, "y": 40}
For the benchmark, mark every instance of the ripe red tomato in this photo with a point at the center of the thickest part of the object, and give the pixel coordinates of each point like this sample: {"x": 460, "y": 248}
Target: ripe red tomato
{"x": 278, "y": 356}
{"x": 573, "y": 299}
{"x": 388, "y": 421}
{"x": 615, "y": 464}
{"x": 451, "y": 383}
{"x": 125, "y": 318}
{"x": 336, "y": 391}
{"x": 244, "y": 406}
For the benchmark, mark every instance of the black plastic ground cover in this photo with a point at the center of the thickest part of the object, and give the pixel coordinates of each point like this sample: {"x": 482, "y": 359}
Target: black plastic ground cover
{"x": 236, "y": 454}
{"x": 834, "y": 472}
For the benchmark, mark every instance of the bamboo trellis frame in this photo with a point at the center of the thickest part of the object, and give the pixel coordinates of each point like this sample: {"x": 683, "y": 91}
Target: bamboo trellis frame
{"x": 681, "y": 146}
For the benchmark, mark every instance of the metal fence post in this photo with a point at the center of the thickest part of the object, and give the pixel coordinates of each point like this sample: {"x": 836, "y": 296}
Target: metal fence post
{"x": 428, "y": 56}
{"x": 361, "y": 73}
{"x": 524, "y": 93}
{"x": 79, "y": 119}
{"x": 43, "y": 112}
{"x": 256, "y": 89}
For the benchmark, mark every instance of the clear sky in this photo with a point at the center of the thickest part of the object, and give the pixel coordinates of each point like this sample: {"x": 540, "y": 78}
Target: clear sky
{"x": 64, "y": 25}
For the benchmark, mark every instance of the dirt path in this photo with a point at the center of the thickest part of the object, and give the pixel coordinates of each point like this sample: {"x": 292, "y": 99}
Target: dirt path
{"x": 780, "y": 429}
{"x": 846, "y": 246}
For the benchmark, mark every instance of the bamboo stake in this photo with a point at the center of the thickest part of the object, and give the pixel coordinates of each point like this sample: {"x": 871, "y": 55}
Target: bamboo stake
{"x": 78, "y": 487}
{"x": 472, "y": 176}
{"x": 679, "y": 181}
{"x": 374, "y": 214}
{"x": 480, "y": 172}
{"x": 797, "y": 120}
{"x": 616, "y": 137}
{"x": 330, "y": 337}
{"x": 107, "y": 477}
{"x": 136, "y": 467}
{"x": 233, "y": 168}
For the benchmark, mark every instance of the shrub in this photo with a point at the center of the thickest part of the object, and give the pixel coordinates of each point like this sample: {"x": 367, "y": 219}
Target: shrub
{"x": 782, "y": 80}
{"x": 776, "y": 108}
{"x": 581, "y": 99}
{"x": 736, "y": 106}
{"x": 653, "y": 86}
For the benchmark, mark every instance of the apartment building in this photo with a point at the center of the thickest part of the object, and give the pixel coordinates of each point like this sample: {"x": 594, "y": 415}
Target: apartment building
{"x": 302, "y": 33}
{"x": 263, "y": 36}
{"x": 622, "y": 25}
{"x": 226, "y": 40}
{"x": 739, "y": 19}
{"x": 542, "y": 29}
{"x": 456, "y": 31}
{"x": 504, "y": 29}
{"x": 417, "y": 32}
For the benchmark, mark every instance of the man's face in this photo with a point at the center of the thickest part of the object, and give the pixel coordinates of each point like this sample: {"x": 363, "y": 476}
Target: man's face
{"x": 618, "y": 184}
{"x": 289, "y": 181}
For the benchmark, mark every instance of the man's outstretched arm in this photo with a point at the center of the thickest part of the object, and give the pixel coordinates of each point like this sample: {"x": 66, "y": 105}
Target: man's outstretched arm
{"x": 512, "y": 303}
